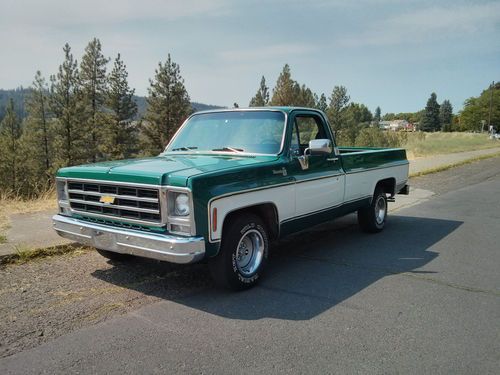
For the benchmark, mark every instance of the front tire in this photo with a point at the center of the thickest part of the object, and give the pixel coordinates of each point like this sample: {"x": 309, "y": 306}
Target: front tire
{"x": 372, "y": 218}
{"x": 243, "y": 254}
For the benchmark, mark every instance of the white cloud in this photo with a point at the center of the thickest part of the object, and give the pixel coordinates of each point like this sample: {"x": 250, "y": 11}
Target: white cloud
{"x": 68, "y": 12}
{"x": 428, "y": 24}
{"x": 270, "y": 52}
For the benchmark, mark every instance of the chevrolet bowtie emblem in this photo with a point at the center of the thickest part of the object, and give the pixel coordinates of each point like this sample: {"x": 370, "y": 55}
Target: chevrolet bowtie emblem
{"x": 107, "y": 199}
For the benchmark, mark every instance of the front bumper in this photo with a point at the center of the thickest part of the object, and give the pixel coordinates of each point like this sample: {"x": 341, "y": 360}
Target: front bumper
{"x": 174, "y": 249}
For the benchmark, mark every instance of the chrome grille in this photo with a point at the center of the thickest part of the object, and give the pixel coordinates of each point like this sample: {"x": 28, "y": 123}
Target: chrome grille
{"x": 131, "y": 203}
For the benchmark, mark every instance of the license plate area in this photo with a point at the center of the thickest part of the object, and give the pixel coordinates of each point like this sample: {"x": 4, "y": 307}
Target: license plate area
{"x": 104, "y": 240}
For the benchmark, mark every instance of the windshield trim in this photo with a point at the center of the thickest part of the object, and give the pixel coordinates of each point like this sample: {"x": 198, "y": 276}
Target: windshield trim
{"x": 194, "y": 152}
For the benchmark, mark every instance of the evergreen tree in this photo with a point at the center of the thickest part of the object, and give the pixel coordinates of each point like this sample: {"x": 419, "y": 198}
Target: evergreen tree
{"x": 285, "y": 91}
{"x": 169, "y": 105}
{"x": 37, "y": 135}
{"x": 121, "y": 135}
{"x": 64, "y": 104}
{"x": 10, "y": 132}
{"x": 430, "y": 120}
{"x": 93, "y": 88}
{"x": 304, "y": 97}
{"x": 446, "y": 115}
{"x": 355, "y": 118}
{"x": 376, "y": 116}
{"x": 261, "y": 98}
{"x": 336, "y": 108}
{"x": 321, "y": 103}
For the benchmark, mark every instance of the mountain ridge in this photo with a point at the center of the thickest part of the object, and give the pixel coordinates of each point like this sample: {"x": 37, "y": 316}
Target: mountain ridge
{"x": 20, "y": 94}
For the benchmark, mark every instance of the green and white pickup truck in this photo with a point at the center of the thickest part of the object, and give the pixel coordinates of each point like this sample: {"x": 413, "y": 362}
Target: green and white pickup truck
{"x": 228, "y": 183}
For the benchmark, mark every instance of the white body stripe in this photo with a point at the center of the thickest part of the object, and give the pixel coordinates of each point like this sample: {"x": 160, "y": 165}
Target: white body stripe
{"x": 361, "y": 184}
{"x": 293, "y": 200}
{"x": 315, "y": 195}
{"x": 283, "y": 197}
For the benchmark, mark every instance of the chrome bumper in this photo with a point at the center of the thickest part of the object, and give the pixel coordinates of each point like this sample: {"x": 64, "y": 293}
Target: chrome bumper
{"x": 168, "y": 248}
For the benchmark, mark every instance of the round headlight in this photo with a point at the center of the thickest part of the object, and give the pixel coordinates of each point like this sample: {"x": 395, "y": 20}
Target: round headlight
{"x": 182, "y": 205}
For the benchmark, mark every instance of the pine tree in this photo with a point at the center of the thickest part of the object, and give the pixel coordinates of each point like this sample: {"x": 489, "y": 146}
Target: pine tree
{"x": 64, "y": 104}
{"x": 446, "y": 115}
{"x": 430, "y": 120}
{"x": 338, "y": 102}
{"x": 304, "y": 96}
{"x": 37, "y": 135}
{"x": 261, "y": 98}
{"x": 285, "y": 91}
{"x": 121, "y": 135}
{"x": 168, "y": 106}
{"x": 10, "y": 132}
{"x": 93, "y": 88}
{"x": 376, "y": 116}
{"x": 321, "y": 103}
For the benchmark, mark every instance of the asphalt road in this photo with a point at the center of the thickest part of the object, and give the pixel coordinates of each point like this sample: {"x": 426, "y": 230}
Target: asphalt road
{"x": 421, "y": 297}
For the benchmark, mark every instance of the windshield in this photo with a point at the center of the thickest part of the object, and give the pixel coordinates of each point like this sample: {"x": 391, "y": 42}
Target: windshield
{"x": 255, "y": 132}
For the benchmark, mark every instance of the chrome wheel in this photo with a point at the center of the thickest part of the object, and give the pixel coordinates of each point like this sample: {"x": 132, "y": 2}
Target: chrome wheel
{"x": 380, "y": 210}
{"x": 250, "y": 252}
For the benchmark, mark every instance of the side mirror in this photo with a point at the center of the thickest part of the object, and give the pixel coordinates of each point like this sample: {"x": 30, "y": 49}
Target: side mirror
{"x": 320, "y": 146}
{"x": 316, "y": 147}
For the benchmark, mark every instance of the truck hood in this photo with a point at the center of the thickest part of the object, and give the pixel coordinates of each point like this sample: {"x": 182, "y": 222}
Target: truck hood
{"x": 173, "y": 170}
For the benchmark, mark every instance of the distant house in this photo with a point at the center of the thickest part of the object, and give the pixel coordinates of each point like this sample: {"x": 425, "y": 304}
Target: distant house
{"x": 396, "y": 125}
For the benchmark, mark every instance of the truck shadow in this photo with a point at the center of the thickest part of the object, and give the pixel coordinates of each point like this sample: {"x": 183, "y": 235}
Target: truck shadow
{"x": 308, "y": 273}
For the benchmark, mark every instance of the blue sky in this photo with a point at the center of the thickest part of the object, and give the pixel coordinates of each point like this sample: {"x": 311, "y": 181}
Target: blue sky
{"x": 386, "y": 52}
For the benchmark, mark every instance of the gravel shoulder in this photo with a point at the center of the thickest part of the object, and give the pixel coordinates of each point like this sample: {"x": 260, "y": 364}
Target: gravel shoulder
{"x": 46, "y": 298}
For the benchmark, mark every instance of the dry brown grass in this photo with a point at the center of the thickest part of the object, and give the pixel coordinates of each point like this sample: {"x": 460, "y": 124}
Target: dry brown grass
{"x": 422, "y": 144}
{"x": 25, "y": 254}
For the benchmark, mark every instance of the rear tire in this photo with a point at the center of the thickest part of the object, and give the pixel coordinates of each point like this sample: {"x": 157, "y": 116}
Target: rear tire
{"x": 243, "y": 253}
{"x": 114, "y": 256}
{"x": 372, "y": 219}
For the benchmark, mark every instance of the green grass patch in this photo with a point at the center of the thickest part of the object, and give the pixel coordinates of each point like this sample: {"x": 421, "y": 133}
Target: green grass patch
{"x": 453, "y": 165}
{"x": 426, "y": 144}
{"x": 25, "y": 254}
{"x": 3, "y": 239}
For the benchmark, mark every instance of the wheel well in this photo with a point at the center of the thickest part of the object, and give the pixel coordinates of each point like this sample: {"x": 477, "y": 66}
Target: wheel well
{"x": 388, "y": 184}
{"x": 266, "y": 211}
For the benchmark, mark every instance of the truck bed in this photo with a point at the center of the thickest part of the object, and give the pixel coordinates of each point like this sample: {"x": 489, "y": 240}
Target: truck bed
{"x": 356, "y": 159}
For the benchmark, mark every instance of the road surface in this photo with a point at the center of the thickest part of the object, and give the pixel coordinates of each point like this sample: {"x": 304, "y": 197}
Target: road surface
{"x": 423, "y": 296}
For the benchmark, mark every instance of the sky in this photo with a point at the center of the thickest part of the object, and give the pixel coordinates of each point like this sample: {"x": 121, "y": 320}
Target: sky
{"x": 387, "y": 53}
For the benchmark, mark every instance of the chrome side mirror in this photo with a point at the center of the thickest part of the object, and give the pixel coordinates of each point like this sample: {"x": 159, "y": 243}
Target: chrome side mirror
{"x": 319, "y": 147}
{"x": 316, "y": 147}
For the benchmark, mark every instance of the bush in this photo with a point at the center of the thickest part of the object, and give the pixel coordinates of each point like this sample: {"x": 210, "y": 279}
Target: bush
{"x": 374, "y": 137}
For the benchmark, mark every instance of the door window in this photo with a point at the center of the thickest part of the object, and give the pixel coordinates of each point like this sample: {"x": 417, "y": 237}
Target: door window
{"x": 305, "y": 129}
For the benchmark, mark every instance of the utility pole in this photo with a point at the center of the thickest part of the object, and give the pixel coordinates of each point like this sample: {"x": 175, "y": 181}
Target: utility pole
{"x": 491, "y": 102}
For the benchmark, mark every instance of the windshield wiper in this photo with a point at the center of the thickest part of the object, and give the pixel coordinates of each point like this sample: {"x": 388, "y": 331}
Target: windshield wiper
{"x": 188, "y": 148}
{"x": 227, "y": 148}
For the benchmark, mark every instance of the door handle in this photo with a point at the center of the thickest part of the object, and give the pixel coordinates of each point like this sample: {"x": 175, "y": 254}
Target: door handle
{"x": 332, "y": 159}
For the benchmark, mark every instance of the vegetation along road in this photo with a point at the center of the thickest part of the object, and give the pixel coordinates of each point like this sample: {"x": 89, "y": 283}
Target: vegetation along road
{"x": 421, "y": 296}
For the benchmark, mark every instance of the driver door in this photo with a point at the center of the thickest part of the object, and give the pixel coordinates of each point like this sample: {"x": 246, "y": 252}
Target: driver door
{"x": 321, "y": 185}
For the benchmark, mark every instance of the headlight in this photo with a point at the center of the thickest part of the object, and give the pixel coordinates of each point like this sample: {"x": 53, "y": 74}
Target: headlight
{"x": 180, "y": 218}
{"x": 62, "y": 192}
{"x": 181, "y": 207}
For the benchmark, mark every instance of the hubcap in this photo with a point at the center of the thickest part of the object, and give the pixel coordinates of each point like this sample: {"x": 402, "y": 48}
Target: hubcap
{"x": 380, "y": 210}
{"x": 250, "y": 252}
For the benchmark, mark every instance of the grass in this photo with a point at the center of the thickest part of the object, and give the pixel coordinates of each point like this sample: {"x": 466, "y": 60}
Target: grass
{"x": 453, "y": 165}
{"x": 428, "y": 144}
{"x": 25, "y": 254}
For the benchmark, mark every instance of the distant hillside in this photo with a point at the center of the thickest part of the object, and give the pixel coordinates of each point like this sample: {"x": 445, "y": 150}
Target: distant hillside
{"x": 142, "y": 106}
{"x": 19, "y": 95}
